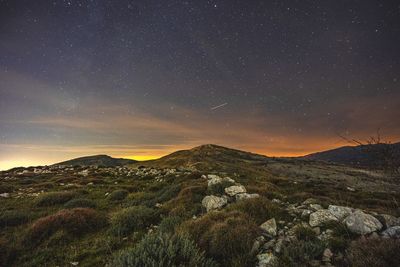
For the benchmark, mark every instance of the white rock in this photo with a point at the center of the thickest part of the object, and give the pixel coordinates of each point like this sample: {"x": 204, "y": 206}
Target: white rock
{"x": 5, "y": 195}
{"x": 320, "y": 217}
{"x": 267, "y": 260}
{"x": 269, "y": 227}
{"x": 234, "y": 190}
{"x": 340, "y": 212}
{"x": 362, "y": 223}
{"x": 316, "y": 207}
{"x": 213, "y": 202}
{"x": 246, "y": 196}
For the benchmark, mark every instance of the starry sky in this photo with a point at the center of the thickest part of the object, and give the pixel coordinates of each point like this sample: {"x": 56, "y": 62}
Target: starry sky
{"x": 140, "y": 79}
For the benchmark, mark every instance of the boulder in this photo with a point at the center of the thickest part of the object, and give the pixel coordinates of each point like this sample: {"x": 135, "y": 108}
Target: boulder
{"x": 246, "y": 196}
{"x": 392, "y": 232}
{"x": 234, "y": 190}
{"x": 316, "y": 207}
{"x": 361, "y": 223}
{"x": 269, "y": 227}
{"x": 340, "y": 212}
{"x": 267, "y": 260}
{"x": 215, "y": 179}
{"x": 320, "y": 217}
{"x": 213, "y": 202}
{"x": 388, "y": 220}
{"x": 309, "y": 201}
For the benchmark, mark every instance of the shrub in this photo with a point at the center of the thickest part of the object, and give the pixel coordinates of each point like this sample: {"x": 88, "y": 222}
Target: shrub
{"x": 299, "y": 253}
{"x": 187, "y": 203}
{"x": 305, "y": 233}
{"x": 75, "y": 222}
{"x": 54, "y": 198}
{"x": 260, "y": 209}
{"x": 7, "y": 253}
{"x": 169, "y": 224}
{"x": 225, "y": 236}
{"x": 118, "y": 195}
{"x": 375, "y": 253}
{"x": 13, "y": 218}
{"x": 218, "y": 189}
{"x": 133, "y": 219}
{"x": 5, "y": 188}
{"x": 163, "y": 250}
{"x": 80, "y": 203}
{"x": 150, "y": 199}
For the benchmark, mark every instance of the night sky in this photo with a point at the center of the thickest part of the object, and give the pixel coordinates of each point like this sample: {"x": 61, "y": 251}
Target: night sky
{"x": 140, "y": 79}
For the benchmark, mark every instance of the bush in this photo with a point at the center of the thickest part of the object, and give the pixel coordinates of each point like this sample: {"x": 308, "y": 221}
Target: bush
{"x": 13, "y": 218}
{"x": 5, "y": 188}
{"x": 187, "y": 203}
{"x": 305, "y": 233}
{"x": 218, "y": 189}
{"x": 80, "y": 203}
{"x": 163, "y": 250}
{"x": 260, "y": 209}
{"x": 299, "y": 253}
{"x": 75, "y": 222}
{"x": 169, "y": 224}
{"x": 375, "y": 253}
{"x": 150, "y": 199}
{"x": 54, "y": 198}
{"x": 7, "y": 253}
{"x": 118, "y": 195}
{"x": 133, "y": 219}
{"x": 225, "y": 236}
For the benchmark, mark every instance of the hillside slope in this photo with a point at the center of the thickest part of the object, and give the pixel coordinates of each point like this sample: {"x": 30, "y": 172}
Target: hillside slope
{"x": 97, "y": 160}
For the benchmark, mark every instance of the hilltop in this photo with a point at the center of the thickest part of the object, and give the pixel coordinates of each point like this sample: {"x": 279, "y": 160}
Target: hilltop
{"x": 97, "y": 160}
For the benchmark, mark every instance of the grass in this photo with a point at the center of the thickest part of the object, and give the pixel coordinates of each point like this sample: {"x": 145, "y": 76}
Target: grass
{"x": 54, "y": 198}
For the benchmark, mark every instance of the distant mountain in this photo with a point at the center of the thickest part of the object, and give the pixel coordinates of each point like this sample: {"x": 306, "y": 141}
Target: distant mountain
{"x": 359, "y": 156}
{"x": 207, "y": 157}
{"x": 97, "y": 160}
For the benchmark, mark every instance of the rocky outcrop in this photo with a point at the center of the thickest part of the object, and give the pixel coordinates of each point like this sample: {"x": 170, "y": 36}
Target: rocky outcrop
{"x": 320, "y": 217}
{"x": 214, "y": 202}
{"x": 269, "y": 227}
{"x": 234, "y": 190}
{"x": 340, "y": 212}
{"x": 246, "y": 196}
{"x": 267, "y": 260}
{"x": 362, "y": 223}
{"x": 392, "y": 232}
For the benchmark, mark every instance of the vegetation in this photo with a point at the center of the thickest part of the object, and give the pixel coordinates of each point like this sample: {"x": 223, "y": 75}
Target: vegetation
{"x": 80, "y": 203}
{"x": 163, "y": 250}
{"x": 54, "y": 198}
{"x": 118, "y": 195}
{"x": 299, "y": 253}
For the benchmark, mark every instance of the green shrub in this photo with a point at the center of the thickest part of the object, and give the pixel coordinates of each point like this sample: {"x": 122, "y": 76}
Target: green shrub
{"x": 169, "y": 224}
{"x": 13, "y": 218}
{"x": 305, "y": 233}
{"x": 260, "y": 209}
{"x": 299, "y": 253}
{"x": 80, "y": 203}
{"x": 75, "y": 222}
{"x": 54, "y": 198}
{"x": 225, "y": 236}
{"x": 218, "y": 189}
{"x": 150, "y": 199}
{"x": 187, "y": 203}
{"x": 163, "y": 250}
{"x": 375, "y": 253}
{"x": 133, "y": 219}
{"x": 118, "y": 195}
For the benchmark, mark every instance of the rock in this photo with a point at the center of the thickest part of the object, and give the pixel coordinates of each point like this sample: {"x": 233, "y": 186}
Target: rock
{"x": 327, "y": 255}
{"x": 315, "y": 207}
{"x": 305, "y": 213}
{"x": 215, "y": 179}
{"x": 320, "y": 217}
{"x": 246, "y": 196}
{"x": 276, "y": 201}
{"x": 392, "y": 232}
{"x": 317, "y": 230}
{"x": 309, "y": 201}
{"x": 5, "y": 195}
{"x": 351, "y": 189}
{"x": 234, "y": 190}
{"x": 257, "y": 244}
{"x": 74, "y": 263}
{"x": 362, "y": 223}
{"x": 213, "y": 202}
{"x": 269, "y": 227}
{"x": 340, "y": 212}
{"x": 267, "y": 260}
{"x": 388, "y": 220}
{"x": 314, "y": 263}
{"x": 269, "y": 245}
{"x": 278, "y": 245}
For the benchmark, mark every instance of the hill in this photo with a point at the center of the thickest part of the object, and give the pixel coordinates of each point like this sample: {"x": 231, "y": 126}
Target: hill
{"x": 97, "y": 160}
{"x": 369, "y": 156}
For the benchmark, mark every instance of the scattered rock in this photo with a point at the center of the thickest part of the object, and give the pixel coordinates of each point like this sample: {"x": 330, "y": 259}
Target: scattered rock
{"x": 267, "y": 260}
{"x": 213, "y": 202}
{"x": 246, "y": 196}
{"x": 351, "y": 189}
{"x": 269, "y": 227}
{"x": 234, "y": 190}
{"x": 5, "y": 195}
{"x": 309, "y": 201}
{"x": 362, "y": 223}
{"x": 316, "y": 207}
{"x": 340, "y": 212}
{"x": 327, "y": 255}
{"x": 388, "y": 220}
{"x": 392, "y": 232}
{"x": 320, "y": 217}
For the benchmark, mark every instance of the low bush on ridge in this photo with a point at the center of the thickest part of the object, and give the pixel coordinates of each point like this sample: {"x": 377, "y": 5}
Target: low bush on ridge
{"x": 163, "y": 250}
{"x": 75, "y": 222}
{"x": 54, "y": 198}
{"x": 80, "y": 203}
